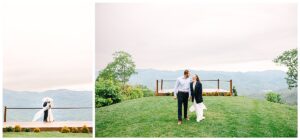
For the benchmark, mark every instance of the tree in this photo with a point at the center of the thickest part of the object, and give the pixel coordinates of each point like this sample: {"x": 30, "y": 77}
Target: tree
{"x": 120, "y": 69}
{"x": 234, "y": 91}
{"x": 108, "y": 73}
{"x": 290, "y": 59}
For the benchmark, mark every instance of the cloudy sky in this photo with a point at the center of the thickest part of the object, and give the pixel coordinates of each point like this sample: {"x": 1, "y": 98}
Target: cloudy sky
{"x": 48, "y": 45}
{"x": 227, "y": 37}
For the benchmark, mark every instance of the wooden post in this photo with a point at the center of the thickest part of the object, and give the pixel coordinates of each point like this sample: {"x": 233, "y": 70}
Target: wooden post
{"x": 230, "y": 87}
{"x": 218, "y": 83}
{"x": 161, "y": 84}
{"x": 156, "y": 88}
{"x": 5, "y": 110}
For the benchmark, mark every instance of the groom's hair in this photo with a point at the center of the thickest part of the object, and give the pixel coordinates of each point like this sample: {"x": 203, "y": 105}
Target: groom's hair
{"x": 186, "y": 72}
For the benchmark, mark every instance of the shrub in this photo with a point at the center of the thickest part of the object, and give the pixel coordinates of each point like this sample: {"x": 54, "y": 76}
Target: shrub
{"x": 273, "y": 97}
{"x": 203, "y": 94}
{"x": 18, "y": 128}
{"x": 222, "y": 94}
{"x": 9, "y": 129}
{"x": 216, "y": 94}
{"x": 85, "y": 129}
{"x": 107, "y": 92}
{"x": 103, "y": 102}
{"x": 74, "y": 130}
{"x": 234, "y": 91}
{"x": 27, "y": 130}
{"x": 136, "y": 92}
{"x": 132, "y": 92}
{"x": 65, "y": 129}
{"x": 146, "y": 91}
{"x": 36, "y": 130}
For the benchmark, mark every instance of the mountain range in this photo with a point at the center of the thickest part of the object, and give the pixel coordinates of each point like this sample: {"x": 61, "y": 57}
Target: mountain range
{"x": 253, "y": 84}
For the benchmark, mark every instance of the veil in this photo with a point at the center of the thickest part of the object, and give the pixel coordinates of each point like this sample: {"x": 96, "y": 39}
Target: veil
{"x": 40, "y": 112}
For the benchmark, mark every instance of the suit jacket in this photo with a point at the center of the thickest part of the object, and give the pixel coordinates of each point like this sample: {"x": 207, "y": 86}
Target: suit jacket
{"x": 197, "y": 93}
{"x": 45, "y": 112}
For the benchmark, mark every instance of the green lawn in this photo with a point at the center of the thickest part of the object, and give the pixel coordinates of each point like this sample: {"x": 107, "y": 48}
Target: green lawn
{"x": 225, "y": 117}
{"x": 45, "y": 135}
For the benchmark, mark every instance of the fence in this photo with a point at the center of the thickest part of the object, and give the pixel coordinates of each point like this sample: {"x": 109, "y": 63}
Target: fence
{"x": 22, "y": 108}
{"x": 160, "y": 88}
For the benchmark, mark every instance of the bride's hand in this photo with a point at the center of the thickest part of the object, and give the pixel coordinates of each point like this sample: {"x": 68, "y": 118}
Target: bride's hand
{"x": 175, "y": 97}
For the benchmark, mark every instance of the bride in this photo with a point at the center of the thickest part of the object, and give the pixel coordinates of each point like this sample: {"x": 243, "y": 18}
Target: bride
{"x": 46, "y": 110}
{"x": 196, "y": 92}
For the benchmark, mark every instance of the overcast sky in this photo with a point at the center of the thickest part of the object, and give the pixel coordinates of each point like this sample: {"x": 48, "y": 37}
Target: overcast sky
{"x": 48, "y": 45}
{"x": 231, "y": 37}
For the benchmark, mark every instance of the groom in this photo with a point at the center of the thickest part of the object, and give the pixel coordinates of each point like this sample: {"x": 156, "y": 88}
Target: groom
{"x": 182, "y": 93}
{"x": 45, "y": 112}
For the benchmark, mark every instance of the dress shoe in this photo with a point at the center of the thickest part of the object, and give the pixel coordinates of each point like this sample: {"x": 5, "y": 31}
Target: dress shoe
{"x": 187, "y": 118}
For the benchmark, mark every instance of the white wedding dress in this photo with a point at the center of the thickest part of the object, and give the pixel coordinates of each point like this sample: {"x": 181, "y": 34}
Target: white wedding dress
{"x": 199, "y": 110}
{"x": 48, "y": 107}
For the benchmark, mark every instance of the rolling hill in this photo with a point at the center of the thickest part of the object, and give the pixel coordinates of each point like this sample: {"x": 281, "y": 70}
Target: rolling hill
{"x": 225, "y": 117}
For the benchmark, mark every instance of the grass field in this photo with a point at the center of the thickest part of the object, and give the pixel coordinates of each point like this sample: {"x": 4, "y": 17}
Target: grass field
{"x": 225, "y": 117}
{"x": 45, "y": 135}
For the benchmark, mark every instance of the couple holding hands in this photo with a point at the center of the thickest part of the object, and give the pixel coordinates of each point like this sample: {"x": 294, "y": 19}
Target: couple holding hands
{"x": 186, "y": 89}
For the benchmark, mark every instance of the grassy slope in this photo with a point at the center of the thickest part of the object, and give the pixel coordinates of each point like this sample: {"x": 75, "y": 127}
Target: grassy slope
{"x": 45, "y": 135}
{"x": 225, "y": 117}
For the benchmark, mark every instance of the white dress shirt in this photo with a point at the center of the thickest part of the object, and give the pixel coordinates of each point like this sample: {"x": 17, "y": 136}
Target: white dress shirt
{"x": 182, "y": 84}
{"x": 194, "y": 84}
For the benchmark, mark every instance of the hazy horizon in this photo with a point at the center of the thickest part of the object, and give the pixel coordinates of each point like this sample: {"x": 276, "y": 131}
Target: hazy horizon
{"x": 44, "y": 90}
{"x": 219, "y": 37}
{"x": 205, "y": 70}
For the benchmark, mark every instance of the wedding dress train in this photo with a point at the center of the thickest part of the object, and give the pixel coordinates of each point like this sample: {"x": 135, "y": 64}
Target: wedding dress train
{"x": 48, "y": 107}
{"x": 199, "y": 110}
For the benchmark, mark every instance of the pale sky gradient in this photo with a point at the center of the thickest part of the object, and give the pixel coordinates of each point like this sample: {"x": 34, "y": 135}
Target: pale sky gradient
{"x": 230, "y": 37}
{"x": 48, "y": 45}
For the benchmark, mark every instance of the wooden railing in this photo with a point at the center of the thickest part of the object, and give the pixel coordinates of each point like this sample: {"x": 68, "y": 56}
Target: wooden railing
{"x": 6, "y": 108}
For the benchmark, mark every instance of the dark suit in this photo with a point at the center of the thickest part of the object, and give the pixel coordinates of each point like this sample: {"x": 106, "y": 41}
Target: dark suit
{"x": 45, "y": 112}
{"x": 197, "y": 93}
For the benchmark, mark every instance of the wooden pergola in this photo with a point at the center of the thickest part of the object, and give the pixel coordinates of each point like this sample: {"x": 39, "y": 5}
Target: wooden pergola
{"x": 53, "y": 126}
{"x": 160, "y": 91}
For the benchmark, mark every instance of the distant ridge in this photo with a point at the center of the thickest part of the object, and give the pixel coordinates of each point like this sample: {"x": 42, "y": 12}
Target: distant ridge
{"x": 254, "y": 84}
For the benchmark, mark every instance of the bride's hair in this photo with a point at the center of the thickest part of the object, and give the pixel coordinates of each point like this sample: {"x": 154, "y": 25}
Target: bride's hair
{"x": 197, "y": 78}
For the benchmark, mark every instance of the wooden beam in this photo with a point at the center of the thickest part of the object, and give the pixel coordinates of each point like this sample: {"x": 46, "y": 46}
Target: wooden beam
{"x": 5, "y": 110}
{"x": 218, "y": 83}
{"x": 230, "y": 88}
{"x": 156, "y": 88}
{"x": 161, "y": 84}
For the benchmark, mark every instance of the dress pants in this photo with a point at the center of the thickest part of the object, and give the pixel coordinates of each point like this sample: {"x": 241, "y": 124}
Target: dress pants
{"x": 182, "y": 99}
